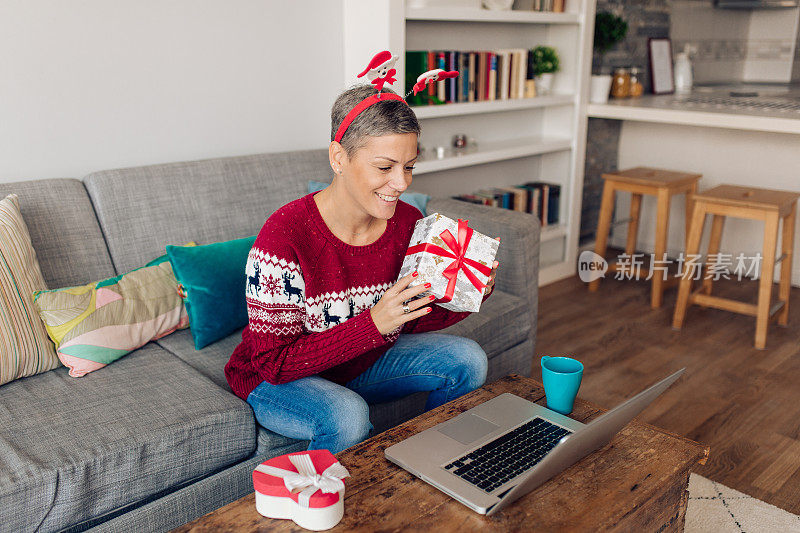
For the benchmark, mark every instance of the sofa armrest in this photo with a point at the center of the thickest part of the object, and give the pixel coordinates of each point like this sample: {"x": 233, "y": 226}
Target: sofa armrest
{"x": 518, "y": 254}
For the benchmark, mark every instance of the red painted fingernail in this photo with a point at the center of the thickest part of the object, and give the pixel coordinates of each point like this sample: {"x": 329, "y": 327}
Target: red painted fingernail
{"x": 431, "y": 297}
{"x": 429, "y": 310}
{"x": 428, "y": 285}
{"x": 415, "y": 274}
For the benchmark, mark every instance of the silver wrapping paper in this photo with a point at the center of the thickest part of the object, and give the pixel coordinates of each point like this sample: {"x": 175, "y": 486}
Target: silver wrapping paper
{"x": 431, "y": 267}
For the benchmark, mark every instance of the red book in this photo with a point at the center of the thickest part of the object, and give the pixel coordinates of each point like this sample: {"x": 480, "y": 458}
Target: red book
{"x": 431, "y": 66}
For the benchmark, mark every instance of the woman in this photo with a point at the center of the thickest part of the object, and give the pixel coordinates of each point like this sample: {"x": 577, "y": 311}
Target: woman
{"x": 329, "y": 329}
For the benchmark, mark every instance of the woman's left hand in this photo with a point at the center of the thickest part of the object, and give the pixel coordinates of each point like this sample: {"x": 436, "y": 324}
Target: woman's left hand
{"x": 490, "y": 283}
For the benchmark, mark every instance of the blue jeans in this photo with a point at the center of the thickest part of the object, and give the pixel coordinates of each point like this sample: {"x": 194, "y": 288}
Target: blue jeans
{"x": 335, "y": 417}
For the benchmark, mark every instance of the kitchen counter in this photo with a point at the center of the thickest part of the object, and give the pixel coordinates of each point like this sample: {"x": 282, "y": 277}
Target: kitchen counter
{"x": 775, "y": 109}
{"x": 728, "y": 143}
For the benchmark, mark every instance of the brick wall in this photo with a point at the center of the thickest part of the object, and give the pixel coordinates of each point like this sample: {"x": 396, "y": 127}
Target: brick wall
{"x": 646, "y": 19}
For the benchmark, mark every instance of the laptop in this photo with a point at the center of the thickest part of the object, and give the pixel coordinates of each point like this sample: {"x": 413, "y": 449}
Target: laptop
{"x": 498, "y": 451}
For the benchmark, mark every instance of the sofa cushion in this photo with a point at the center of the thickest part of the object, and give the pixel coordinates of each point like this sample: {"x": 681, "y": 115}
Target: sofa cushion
{"x": 25, "y": 349}
{"x": 95, "y": 324}
{"x": 64, "y": 231}
{"x": 72, "y": 449}
{"x": 143, "y": 209}
{"x": 502, "y": 322}
{"x": 210, "y": 279}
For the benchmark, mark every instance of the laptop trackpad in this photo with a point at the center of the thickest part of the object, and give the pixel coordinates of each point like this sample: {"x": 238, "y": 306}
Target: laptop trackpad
{"x": 467, "y": 428}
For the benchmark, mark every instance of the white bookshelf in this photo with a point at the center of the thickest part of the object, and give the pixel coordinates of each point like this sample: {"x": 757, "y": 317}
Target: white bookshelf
{"x": 520, "y": 140}
{"x": 495, "y": 106}
{"x": 490, "y": 152}
{"x": 485, "y": 15}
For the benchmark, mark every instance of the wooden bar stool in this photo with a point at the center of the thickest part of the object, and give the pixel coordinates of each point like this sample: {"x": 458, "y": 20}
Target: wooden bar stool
{"x": 751, "y": 203}
{"x": 662, "y": 184}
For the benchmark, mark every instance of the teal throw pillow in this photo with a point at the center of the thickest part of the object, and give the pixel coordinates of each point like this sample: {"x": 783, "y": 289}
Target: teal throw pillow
{"x": 417, "y": 199}
{"x": 212, "y": 281}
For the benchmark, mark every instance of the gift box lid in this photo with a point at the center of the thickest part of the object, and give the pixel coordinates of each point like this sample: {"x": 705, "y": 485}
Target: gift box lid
{"x": 274, "y": 485}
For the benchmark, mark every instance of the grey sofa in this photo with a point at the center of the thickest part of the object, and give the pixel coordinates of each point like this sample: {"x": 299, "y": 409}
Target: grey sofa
{"x": 157, "y": 439}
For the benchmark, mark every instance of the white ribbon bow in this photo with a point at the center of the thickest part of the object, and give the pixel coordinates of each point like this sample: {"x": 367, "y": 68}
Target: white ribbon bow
{"x": 307, "y": 478}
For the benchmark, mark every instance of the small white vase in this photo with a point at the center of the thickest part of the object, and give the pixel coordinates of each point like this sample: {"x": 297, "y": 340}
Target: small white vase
{"x": 600, "y": 89}
{"x": 544, "y": 84}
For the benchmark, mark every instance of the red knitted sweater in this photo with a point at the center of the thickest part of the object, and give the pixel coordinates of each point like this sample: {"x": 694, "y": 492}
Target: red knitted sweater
{"x": 309, "y": 295}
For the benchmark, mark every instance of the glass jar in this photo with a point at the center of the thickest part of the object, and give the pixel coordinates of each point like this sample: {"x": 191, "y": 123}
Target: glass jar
{"x": 636, "y": 82}
{"x": 621, "y": 83}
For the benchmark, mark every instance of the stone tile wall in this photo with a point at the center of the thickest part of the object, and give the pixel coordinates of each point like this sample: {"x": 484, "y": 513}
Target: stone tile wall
{"x": 646, "y": 19}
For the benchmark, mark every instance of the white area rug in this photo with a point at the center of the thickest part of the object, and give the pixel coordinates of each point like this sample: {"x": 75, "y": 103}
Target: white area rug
{"x": 715, "y": 508}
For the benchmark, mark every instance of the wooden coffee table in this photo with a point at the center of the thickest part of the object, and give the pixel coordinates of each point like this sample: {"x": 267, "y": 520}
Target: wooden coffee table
{"x": 638, "y": 482}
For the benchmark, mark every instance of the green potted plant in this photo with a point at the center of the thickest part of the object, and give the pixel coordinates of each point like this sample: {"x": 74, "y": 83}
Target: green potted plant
{"x": 609, "y": 29}
{"x": 544, "y": 61}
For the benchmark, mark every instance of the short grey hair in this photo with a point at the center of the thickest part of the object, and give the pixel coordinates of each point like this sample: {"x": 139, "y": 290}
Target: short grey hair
{"x": 385, "y": 118}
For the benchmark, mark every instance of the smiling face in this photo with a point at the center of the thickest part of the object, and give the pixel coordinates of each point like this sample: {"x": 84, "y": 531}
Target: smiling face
{"x": 378, "y": 172}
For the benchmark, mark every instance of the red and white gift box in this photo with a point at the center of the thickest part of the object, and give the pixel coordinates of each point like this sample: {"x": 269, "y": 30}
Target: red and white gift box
{"x": 305, "y": 487}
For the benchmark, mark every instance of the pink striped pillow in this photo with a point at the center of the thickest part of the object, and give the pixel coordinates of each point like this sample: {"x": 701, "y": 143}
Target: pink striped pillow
{"x": 25, "y": 349}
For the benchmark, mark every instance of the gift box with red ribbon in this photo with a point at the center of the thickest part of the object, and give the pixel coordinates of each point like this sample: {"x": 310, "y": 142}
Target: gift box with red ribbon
{"x": 305, "y": 487}
{"x": 453, "y": 258}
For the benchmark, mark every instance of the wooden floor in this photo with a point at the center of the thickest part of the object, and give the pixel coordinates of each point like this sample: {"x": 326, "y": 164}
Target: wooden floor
{"x": 742, "y": 402}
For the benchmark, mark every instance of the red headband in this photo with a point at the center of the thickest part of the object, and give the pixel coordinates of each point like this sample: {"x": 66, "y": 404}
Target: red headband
{"x": 362, "y": 105}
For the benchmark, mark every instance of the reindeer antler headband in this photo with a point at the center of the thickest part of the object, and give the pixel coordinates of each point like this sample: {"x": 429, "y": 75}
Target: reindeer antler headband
{"x": 381, "y": 71}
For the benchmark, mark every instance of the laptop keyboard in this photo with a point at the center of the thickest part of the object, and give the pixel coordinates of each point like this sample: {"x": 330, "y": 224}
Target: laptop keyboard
{"x": 509, "y": 455}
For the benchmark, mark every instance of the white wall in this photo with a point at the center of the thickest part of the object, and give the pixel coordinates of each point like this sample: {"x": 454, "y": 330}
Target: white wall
{"x": 96, "y": 84}
{"x": 771, "y": 39}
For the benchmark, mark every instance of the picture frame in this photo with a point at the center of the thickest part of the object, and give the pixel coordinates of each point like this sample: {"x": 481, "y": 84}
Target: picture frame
{"x": 661, "y": 74}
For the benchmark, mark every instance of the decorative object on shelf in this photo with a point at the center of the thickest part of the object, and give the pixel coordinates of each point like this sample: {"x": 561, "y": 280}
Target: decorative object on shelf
{"x": 453, "y": 258}
{"x": 305, "y": 487}
{"x": 459, "y": 141}
{"x": 609, "y": 29}
{"x": 498, "y": 5}
{"x": 637, "y": 89}
{"x": 621, "y": 83}
{"x": 440, "y": 152}
{"x": 660, "y": 51}
{"x": 683, "y": 71}
{"x": 544, "y": 60}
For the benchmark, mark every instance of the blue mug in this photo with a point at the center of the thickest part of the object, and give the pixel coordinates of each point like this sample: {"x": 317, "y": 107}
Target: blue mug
{"x": 562, "y": 379}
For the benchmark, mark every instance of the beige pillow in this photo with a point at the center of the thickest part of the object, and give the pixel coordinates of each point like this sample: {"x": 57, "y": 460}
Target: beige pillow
{"x": 25, "y": 349}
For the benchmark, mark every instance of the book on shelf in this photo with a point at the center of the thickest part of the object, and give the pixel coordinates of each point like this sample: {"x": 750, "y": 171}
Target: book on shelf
{"x": 463, "y": 76}
{"x": 416, "y": 64}
{"x": 480, "y": 90}
{"x": 530, "y": 84}
{"x": 489, "y": 197}
{"x": 539, "y": 198}
{"x": 553, "y": 6}
{"x": 431, "y": 66}
{"x": 492, "y": 84}
{"x": 523, "y": 69}
{"x": 519, "y": 198}
{"x": 471, "y": 198}
{"x": 450, "y": 83}
{"x": 471, "y": 67}
{"x": 544, "y": 200}
{"x": 484, "y": 75}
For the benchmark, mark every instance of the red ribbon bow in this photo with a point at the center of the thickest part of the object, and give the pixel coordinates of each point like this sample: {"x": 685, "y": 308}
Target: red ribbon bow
{"x": 458, "y": 250}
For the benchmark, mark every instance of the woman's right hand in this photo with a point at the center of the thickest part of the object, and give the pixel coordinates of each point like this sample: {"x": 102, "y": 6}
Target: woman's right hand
{"x": 388, "y": 314}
